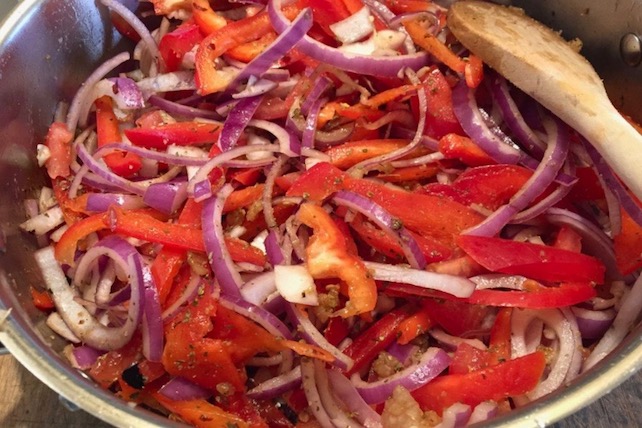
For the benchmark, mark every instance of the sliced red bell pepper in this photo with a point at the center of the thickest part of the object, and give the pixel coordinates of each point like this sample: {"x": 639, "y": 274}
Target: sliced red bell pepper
{"x": 246, "y": 52}
{"x": 568, "y": 239}
{"x": 109, "y": 367}
{"x": 327, "y": 12}
{"x": 432, "y": 250}
{"x": 58, "y": 141}
{"x": 336, "y": 330}
{"x": 207, "y": 19}
{"x": 440, "y": 116}
{"x": 65, "y": 249}
{"x": 42, "y": 299}
{"x": 71, "y": 211}
{"x": 175, "y": 44}
{"x": 178, "y": 133}
{"x": 473, "y": 71}
{"x": 328, "y": 257}
{"x": 537, "y": 296}
{"x": 125, "y": 164}
{"x": 428, "y": 215}
{"x": 508, "y": 379}
{"x": 534, "y": 261}
{"x": 416, "y": 324}
{"x": 469, "y": 317}
{"x": 468, "y": 358}
{"x": 499, "y": 343}
{"x": 410, "y": 173}
{"x": 377, "y": 337}
{"x": 351, "y": 153}
{"x": 419, "y": 33}
{"x": 455, "y": 146}
{"x": 628, "y": 245}
{"x": 201, "y": 413}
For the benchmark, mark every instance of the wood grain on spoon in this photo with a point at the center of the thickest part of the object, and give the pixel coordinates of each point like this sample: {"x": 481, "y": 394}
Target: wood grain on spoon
{"x": 540, "y": 62}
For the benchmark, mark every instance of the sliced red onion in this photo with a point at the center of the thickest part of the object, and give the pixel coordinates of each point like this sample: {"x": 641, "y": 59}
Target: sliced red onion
{"x": 77, "y": 318}
{"x": 594, "y": 241}
{"x": 455, "y": 416}
{"x": 268, "y": 191}
{"x": 613, "y": 184}
{"x": 57, "y": 325}
{"x": 289, "y": 143}
{"x": 452, "y": 342}
{"x": 273, "y": 249}
{"x": 152, "y": 326}
{"x": 309, "y": 383}
{"x": 451, "y": 284}
{"x": 214, "y": 238}
{"x": 44, "y": 222}
{"x": 255, "y": 87}
{"x": 340, "y": 416}
{"x": 626, "y": 316}
{"x": 321, "y": 84}
{"x": 297, "y": 123}
{"x": 430, "y": 365}
{"x": 181, "y": 389}
{"x": 483, "y": 412}
{"x": 346, "y": 393}
{"x": 403, "y": 353}
{"x": 123, "y": 90}
{"x": 569, "y": 344}
{"x": 544, "y": 175}
{"x": 105, "y": 174}
{"x": 362, "y": 64}
{"x": 200, "y": 177}
{"x": 545, "y": 203}
{"x": 513, "y": 117}
{"x": 168, "y": 82}
{"x": 81, "y": 102}
{"x": 473, "y": 123}
{"x": 312, "y": 335}
{"x": 295, "y": 284}
{"x": 355, "y": 27}
{"x": 237, "y": 120}
{"x": 177, "y": 109}
{"x": 258, "y": 289}
{"x": 138, "y": 26}
{"x": 100, "y": 202}
{"x": 277, "y": 386}
{"x": 82, "y": 357}
{"x": 284, "y": 43}
{"x": 259, "y": 315}
{"x": 593, "y": 324}
{"x": 307, "y": 138}
{"x": 166, "y": 197}
{"x": 384, "y": 220}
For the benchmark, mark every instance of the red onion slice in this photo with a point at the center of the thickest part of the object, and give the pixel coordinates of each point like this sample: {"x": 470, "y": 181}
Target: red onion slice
{"x": 100, "y": 202}
{"x": 181, "y": 389}
{"x": 311, "y": 391}
{"x": 237, "y": 121}
{"x": 591, "y": 323}
{"x": 166, "y": 197}
{"x": 152, "y": 326}
{"x": 362, "y": 64}
{"x": 259, "y": 315}
{"x": 451, "y": 284}
{"x": 346, "y": 393}
{"x": 483, "y": 412}
{"x": 76, "y": 316}
{"x": 455, "y": 416}
{"x": 276, "y": 386}
{"x": 430, "y": 365}
{"x": 182, "y": 110}
{"x": 82, "y": 357}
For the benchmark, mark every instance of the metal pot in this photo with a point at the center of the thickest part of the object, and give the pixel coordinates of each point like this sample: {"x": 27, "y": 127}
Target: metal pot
{"x": 47, "y": 47}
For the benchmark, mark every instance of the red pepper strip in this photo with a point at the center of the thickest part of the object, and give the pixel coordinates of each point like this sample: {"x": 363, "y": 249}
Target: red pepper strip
{"x": 469, "y": 317}
{"x": 406, "y": 6}
{"x": 500, "y": 336}
{"x": 206, "y": 18}
{"x": 394, "y": 94}
{"x": 508, "y": 379}
{"x": 201, "y": 413}
{"x": 454, "y": 146}
{"x": 42, "y": 299}
{"x": 65, "y": 249}
{"x": 327, "y": 12}
{"x": 539, "y": 297}
{"x": 336, "y": 330}
{"x": 531, "y": 260}
{"x": 568, "y": 239}
{"x": 474, "y": 71}
{"x": 440, "y": 116}
{"x": 250, "y": 50}
{"x": 143, "y": 226}
{"x": 628, "y": 245}
{"x": 243, "y": 197}
{"x": 174, "y": 45}
{"x": 328, "y": 257}
{"x": 413, "y": 326}
{"x": 354, "y": 112}
{"x": 178, "y": 133}
{"x": 389, "y": 246}
{"x": 109, "y": 367}
{"x": 169, "y": 260}
{"x": 71, "y": 211}
{"x": 377, "y": 337}
{"x": 419, "y": 34}
{"x": 410, "y": 173}
{"x": 467, "y": 359}
{"x": 351, "y": 153}
{"x": 234, "y": 34}
{"x": 428, "y": 215}
{"x": 58, "y": 141}
{"x": 123, "y": 164}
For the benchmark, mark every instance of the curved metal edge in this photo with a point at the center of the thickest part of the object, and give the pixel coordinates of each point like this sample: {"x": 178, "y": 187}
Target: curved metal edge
{"x": 24, "y": 344}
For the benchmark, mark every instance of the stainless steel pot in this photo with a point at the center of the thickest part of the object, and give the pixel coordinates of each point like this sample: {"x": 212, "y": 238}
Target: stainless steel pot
{"x": 47, "y": 47}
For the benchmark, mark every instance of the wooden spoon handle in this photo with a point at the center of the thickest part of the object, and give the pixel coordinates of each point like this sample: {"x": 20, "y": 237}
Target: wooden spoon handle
{"x": 538, "y": 61}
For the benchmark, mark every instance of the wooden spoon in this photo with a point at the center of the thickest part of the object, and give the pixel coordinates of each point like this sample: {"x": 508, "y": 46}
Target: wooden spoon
{"x": 539, "y": 62}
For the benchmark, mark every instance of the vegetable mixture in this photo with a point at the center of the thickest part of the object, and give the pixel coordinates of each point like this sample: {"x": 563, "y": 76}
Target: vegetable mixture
{"x": 324, "y": 213}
